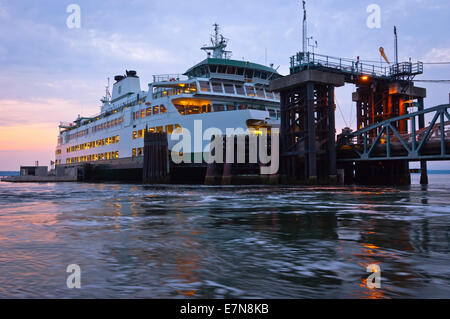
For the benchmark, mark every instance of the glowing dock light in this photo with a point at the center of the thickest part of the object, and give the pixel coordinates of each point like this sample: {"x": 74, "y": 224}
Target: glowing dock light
{"x": 364, "y": 78}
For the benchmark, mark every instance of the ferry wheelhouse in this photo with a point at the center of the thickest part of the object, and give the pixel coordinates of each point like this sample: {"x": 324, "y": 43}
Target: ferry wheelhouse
{"x": 220, "y": 92}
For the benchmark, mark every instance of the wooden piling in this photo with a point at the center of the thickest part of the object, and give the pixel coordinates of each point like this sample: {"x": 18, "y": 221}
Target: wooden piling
{"x": 156, "y": 158}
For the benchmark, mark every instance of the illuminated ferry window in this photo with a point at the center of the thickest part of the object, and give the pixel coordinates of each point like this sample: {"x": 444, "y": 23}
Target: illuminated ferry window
{"x": 149, "y": 111}
{"x": 240, "y": 90}
{"x": 180, "y": 109}
{"x": 250, "y": 90}
{"x": 219, "y": 108}
{"x": 193, "y": 87}
{"x": 217, "y": 87}
{"x": 169, "y": 129}
{"x": 155, "y": 110}
{"x": 163, "y": 109}
{"x": 260, "y": 93}
{"x": 133, "y": 152}
{"x": 159, "y": 129}
{"x": 142, "y": 113}
{"x": 193, "y": 109}
{"x": 229, "y": 88}
{"x": 204, "y": 86}
{"x": 152, "y": 130}
{"x": 134, "y": 135}
{"x": 206, "y": 108}
{"x": 269, "y": 95}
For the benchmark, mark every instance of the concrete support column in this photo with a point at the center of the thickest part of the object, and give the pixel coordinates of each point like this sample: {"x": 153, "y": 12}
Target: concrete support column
{"x": 332, "y": 135}
{"x": 312, "y": 153}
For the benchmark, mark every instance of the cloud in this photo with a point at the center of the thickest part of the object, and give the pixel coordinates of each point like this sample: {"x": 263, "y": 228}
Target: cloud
{"x": 437, "y": 55}
{"x": 122, "y": 47}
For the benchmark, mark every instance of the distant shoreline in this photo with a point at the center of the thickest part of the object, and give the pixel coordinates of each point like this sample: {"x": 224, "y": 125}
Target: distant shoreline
{"x": 437, "y": 172}
{"x": 432, "y": 172}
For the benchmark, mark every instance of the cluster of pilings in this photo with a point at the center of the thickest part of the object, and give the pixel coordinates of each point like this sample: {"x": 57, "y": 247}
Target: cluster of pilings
{"x": 233, "y": 160}
{"x": 308, "y": 133}
{"x": 378, "y": 100}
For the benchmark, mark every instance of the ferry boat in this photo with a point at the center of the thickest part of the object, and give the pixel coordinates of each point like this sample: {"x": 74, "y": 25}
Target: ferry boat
{"x": 221, "y": 92}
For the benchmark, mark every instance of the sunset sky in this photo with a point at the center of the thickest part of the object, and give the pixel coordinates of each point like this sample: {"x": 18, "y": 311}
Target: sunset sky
{"x": 50, "y": 73}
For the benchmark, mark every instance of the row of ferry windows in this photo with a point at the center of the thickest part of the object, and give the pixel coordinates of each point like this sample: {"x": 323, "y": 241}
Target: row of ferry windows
{"x": 198, "y": 108}
{"x": 78, "y": 134}
{"x": 137, "y": 152}
{"x": 89, "y": 145}
{"x": 187, "y": 88}
{"x": 231, "y": 70}
{"x": 159, "y": 109}
{"x": 93, "y": 158}
{"x": 97, "y": 128}
{"x": 169, "y": 129}
{"x": 238, "y": 89}
{"x": 109, "y": 124}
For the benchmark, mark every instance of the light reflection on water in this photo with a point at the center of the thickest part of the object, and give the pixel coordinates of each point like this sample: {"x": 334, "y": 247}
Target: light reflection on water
{"x": 224, "y": 242}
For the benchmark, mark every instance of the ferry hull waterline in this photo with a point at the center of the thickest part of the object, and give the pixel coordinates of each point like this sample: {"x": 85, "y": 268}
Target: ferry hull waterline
{"x": 217, "y": 95}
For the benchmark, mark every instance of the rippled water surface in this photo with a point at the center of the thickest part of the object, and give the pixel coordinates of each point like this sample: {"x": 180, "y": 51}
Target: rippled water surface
{"x": 224, "y": 242}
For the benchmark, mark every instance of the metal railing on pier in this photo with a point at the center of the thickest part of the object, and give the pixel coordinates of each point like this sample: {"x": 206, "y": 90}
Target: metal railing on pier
{"x": 307, "y": 60}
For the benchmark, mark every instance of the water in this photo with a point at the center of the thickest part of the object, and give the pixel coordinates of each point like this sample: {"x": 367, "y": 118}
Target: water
{"x": 232, "y": 242}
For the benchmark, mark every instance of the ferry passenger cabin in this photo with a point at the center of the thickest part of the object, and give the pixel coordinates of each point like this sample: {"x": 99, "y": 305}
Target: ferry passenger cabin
{"x": 232, "y": 85}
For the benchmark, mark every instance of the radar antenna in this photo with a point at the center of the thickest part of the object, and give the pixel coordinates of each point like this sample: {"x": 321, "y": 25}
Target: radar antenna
{"x": 218, "y": 45}
{"x": 107, "y": 98}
